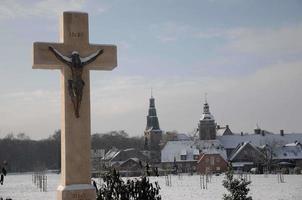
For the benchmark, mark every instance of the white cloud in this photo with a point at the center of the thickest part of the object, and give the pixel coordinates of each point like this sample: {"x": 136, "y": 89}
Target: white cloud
{"x": 258, "y": 41}
{"x": 54, "y": 7}
{"x": 284, "y": 40}
{"x": 278, "y": 41}
{"x": 12, "y": 9}
{"x": 171, "y": 31}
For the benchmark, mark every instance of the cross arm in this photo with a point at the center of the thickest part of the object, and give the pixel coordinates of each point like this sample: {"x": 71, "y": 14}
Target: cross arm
{"x": 43, "y": 58}
{"x": 107, "y": 60}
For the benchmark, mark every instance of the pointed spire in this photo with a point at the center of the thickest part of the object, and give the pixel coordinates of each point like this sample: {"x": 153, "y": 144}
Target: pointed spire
{"x": 152, "y": 120}
{"x": 206, "y": 115}
{"x": 206, "y": 108}
{"x": 205, "y": 97}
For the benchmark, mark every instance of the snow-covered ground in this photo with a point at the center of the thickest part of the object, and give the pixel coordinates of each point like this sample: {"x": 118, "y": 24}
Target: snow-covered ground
{"x": 20, "y": 187}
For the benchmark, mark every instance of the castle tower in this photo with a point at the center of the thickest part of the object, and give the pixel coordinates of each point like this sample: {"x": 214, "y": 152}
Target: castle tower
{"x": 207, "y": 124}
{"x": 153, "y": 133}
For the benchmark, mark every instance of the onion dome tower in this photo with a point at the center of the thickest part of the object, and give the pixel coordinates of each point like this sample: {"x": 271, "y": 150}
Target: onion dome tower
{"x": 207, "y": 124}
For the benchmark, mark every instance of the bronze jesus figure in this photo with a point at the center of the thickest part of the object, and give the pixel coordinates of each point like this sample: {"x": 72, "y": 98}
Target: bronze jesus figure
{"x": 76, "y": 65}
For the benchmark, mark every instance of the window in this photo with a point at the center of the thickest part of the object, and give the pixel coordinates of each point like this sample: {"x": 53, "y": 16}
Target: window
{"x": 218, "y": 159}
{"x": 196, "y": 157}
{"x": 212, "y": 160}
{"x": 183, "y": 157}
{"x": 217, "y": 168}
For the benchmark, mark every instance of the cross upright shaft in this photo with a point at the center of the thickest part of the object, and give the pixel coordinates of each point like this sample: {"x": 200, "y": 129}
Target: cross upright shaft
{"x": 75, "y": 131}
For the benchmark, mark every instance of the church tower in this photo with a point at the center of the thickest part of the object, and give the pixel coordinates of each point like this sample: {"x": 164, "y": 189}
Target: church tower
{"x": 153, "y": 133}
{"x": 207, "y": 124}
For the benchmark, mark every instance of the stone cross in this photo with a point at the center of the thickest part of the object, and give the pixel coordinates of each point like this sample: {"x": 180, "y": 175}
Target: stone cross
{"x": 75, "y": 130}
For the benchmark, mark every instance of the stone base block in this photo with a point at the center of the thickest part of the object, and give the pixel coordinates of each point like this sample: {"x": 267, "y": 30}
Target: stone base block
{"x": 76, "y": 192}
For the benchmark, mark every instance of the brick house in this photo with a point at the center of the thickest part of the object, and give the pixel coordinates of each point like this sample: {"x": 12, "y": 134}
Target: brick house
{"x": 211, "y": 162}
{"x": 185, "y": 154}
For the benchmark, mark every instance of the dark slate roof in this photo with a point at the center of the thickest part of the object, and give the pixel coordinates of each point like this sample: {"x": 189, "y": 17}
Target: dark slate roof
{"x": 241, "y": 148}
{"x": 152, "y": 119}
{"x": 231, "y": 141}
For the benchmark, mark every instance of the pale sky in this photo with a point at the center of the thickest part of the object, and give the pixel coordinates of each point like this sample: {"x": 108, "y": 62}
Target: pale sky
{"x": 245, "y": 54}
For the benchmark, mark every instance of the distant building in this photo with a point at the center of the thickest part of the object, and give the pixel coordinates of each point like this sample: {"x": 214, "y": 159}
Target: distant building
{"x": 224, "y": 131}
{"x": 153, "y": 133}
{"x": 243, "y": 150}
{"x": 207, "y": 124}
{"x": 132, "y": 167}
{"x": 115, "y": 157}
{"x": 247, "y": 156}
{"x": 185, "y": 154}
{"x": 211, "y": 163}
{"x": 289, "y": 154}
{"x": 230, "y": 142}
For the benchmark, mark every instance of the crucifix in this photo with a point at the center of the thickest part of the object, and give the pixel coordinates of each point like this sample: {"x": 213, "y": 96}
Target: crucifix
{"x": 75, "y": 57}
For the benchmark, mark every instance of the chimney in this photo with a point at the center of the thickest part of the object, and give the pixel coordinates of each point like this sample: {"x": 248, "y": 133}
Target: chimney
{"x": 282, "y": 132}
{"x": 262, "y": 132}
{"x": 227, "y": 126}
{"x": 257, "y": 131}
{"x": 241, "y": 133}
{"x": 218, "y": 127}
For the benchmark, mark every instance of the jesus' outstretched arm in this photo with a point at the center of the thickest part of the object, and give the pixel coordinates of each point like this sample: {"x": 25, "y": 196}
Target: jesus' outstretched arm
{"x": 60, "y": 56}
{"x": 92, "y": 57}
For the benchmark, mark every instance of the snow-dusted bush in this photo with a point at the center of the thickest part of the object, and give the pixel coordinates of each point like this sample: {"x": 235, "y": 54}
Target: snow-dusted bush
{"x": 297, "y": 170}
{"x": 114, "y": 188}
{"x": 238, "y": 188}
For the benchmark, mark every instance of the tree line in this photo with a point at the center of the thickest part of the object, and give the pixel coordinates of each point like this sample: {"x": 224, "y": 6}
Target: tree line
{"x": 24, "y": 154}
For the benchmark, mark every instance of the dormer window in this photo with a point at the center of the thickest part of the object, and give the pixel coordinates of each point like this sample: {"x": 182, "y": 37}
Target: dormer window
{"x": 183, "y": 155}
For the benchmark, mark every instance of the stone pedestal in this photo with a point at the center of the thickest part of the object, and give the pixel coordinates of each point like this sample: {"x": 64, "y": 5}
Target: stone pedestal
{"x": 76, "y": 192}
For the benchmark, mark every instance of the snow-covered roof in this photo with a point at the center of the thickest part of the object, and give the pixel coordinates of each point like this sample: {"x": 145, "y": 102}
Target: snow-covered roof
{"x": 174, "y": 149}
{"x": 183, "y": 152}
{"x": 129, "y": 149}
{"x": 242, "y": 147}
{"x": 134, "y": 159}
{"x": 231, "y": 141}
{"x": 182, "y": 136}
{"x": 111, "y": 154}
{"x": 290, "y": 151}
{"x": 195, "y": 152}
{"x": 241, "y": 164}
{"x": 207, "y": 116}
{"x": 220, "y": 132}
{"x": 223, "y": 131}
{"x": 294, "y": 144}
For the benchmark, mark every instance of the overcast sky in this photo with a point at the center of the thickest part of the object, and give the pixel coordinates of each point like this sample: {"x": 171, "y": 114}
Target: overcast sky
{"x": 246, "y": 54}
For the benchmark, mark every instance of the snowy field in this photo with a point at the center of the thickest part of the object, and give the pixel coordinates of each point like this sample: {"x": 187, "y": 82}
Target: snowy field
{"x": 20, "y": 187}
